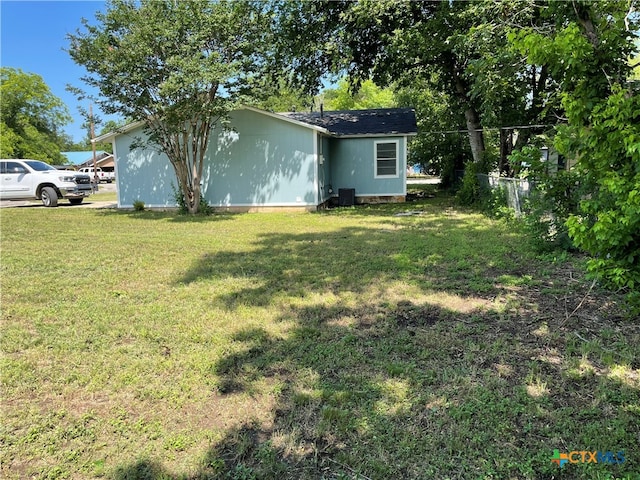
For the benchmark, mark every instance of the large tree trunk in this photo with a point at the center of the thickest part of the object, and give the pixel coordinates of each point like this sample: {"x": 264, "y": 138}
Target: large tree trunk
{"x": 471, "y": 115}
{"x": 476, "y": 136}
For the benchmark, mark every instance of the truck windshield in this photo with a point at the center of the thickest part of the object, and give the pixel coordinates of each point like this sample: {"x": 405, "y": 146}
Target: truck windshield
{"x": 39, "y": 166}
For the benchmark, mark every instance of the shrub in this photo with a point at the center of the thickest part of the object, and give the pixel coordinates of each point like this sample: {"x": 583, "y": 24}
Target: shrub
{"x": 495, "y": 203}
{"x": 470, "y": 191}
{"x": 204, "y": 209}
{"x": 553, "y": 199}
{"x": 138, "y": 206}
{"x": 607, "y": 224}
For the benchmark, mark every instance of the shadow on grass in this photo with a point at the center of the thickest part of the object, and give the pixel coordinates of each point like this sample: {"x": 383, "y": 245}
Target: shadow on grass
{"x": 170, "y": 215}
{"x": 416, "y": 391}
{"x": 451, "y": 385}
{"x": 433, "y": 253}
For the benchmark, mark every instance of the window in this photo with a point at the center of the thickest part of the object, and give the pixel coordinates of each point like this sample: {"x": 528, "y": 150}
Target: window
{"x": 12, "y": 167}
{"x": 386, "y": 159}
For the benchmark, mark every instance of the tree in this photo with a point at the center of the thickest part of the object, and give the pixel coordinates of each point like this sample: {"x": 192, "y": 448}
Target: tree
{"x": 587, "y": 52}
{"x": 179, "y": 66}
{"x": 276, "y": 95}
{"x": 368, "y": 95}
{"x": 458, "y": 49}
{"x": 439, "y": 146}
{"x": 30, "y": 118}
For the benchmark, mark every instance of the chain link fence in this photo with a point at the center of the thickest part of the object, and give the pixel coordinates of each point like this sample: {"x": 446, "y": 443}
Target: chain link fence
{"x": 516, "y": 190}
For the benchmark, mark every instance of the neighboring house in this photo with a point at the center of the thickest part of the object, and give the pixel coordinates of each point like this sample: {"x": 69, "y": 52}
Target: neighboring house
{"x": 274, "y": 160}
{"x": 554, "y": 160}
{"x": 104, "y": 160}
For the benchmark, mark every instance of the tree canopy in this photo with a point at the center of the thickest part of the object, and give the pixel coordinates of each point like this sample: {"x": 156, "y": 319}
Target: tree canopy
{"x": 368, "y": 95}
{"x": 31, "y": 117}
{"x": 180, "y": 67}
{"x": 559, "y": 68}
{"x": 458, "y": 49}
{"x": 586, "y": 48}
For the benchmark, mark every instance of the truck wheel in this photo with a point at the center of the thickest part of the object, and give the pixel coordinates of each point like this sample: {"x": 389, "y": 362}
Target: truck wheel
{"x": 75, "y": 201}
{"x": 49, "y": 197}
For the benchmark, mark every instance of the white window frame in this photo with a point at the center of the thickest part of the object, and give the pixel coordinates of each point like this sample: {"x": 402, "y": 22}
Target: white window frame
{"x": 375, "y": 158}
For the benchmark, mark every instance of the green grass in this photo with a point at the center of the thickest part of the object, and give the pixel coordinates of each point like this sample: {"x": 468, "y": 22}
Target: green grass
{"x": 350, "y": 343}
{"x": 103, "y": 196}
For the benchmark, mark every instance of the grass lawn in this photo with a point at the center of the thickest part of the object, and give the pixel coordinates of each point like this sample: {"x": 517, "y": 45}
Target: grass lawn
{"x": 350, "y": 343}
{"x": 103, "y": 196}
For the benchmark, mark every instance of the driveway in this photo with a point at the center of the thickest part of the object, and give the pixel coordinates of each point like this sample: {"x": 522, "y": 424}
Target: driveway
{"x": 88, "y": 203}
{"x": 423, "y": 181}
{"x": 63, "y": 204}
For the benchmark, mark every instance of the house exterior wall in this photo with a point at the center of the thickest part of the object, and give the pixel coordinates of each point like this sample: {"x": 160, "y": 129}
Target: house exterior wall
{"x": 262, "y": 162}
{"x": 265, "y": 161}
{"x": 353, "y": 166}
{"x": 324, "y": 168}
{"x": 142, "y": 174}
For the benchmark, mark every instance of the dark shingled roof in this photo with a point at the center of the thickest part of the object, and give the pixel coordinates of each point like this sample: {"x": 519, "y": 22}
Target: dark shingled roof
{"x": 382, "y": 121}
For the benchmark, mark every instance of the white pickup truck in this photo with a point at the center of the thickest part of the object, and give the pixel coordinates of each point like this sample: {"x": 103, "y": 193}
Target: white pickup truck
{"x": 101, "y": 175}
{"x": 33, "y": 179}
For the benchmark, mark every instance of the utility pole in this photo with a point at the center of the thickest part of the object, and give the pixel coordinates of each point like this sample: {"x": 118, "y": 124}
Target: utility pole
{"x": 93, "y": 147}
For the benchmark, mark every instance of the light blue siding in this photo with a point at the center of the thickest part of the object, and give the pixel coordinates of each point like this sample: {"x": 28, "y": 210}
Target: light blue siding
{"x": 263, "y": 161}
{"x": 353, "y": 166}
{"x": 142, "y": 174}
{"x": 324, "y": 168}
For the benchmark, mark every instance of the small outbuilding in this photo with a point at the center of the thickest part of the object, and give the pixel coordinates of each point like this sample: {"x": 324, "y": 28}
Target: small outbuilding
{"x": 272, "y": 160}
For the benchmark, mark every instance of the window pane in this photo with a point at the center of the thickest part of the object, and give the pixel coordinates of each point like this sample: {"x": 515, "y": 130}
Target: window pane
{"x": 15, "y": 167}
{"x": 386, "y": 159}
{"x": 386, "y": 150}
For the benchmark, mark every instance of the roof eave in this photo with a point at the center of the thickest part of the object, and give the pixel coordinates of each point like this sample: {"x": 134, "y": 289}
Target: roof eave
{"x": 288, "y": 119}
{"x": 369, "y": 135}
{"x": 109, "y": 136}
{"x": 132, "y": 126}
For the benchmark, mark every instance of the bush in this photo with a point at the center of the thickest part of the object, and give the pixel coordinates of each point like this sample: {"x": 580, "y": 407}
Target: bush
{"x": 470, "y": 191}
{"x": 204, "y": 208}
{"x": 554, "y": 198}
{"x": 607, "y": 224}
{"x": 138, "y": 206}
{"x": 495, "y": 203}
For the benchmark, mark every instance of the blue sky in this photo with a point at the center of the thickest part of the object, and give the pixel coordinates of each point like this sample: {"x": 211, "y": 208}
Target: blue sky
{"x": 33, "y": 39}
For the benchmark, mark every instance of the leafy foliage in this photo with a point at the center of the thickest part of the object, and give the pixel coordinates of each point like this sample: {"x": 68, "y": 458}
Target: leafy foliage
{"x": 30, "y": 118}
{"x": 180, "y": 67}
{"x": 183, "y": 208}
{"x": 587, "y": 52}
{"x": 368, "y": 95}
{"x": 279, "y": 96}
{"x": 608, "y": 224}
{"x": 554, "y": 198}
{"x": 439, "y": 147}
{"x": 453, "y": 61}
{"x": 470, "y": 193}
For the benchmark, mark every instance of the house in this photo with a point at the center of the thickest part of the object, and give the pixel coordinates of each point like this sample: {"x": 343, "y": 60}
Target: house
{"x": 104, "y": 160}
{"x": 274, "y": 160}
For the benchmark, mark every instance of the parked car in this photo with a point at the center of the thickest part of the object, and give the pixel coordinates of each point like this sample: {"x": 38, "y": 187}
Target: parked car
{"x": 99, "y": 175}
{"x": 33, "y": 179}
